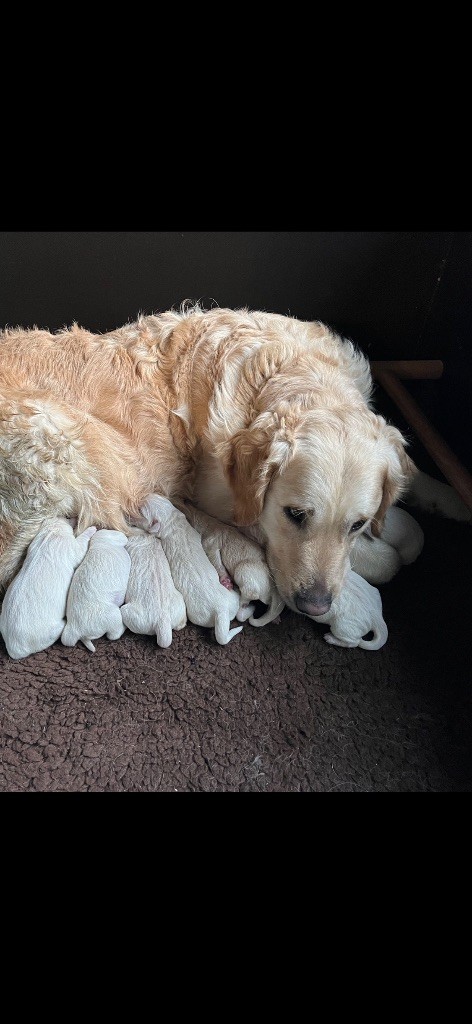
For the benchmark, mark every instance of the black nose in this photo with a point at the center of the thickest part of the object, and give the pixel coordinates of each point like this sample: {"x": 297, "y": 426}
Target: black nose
{"x": 314, "y": 600}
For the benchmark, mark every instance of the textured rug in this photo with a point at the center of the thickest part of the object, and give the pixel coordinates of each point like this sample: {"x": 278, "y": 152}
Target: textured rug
{"x": 277, "y": 710}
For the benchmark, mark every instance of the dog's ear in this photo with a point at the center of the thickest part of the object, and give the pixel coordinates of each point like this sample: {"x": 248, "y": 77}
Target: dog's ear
{"x": 252, "y": 457}
{"x": 398, "y": 471}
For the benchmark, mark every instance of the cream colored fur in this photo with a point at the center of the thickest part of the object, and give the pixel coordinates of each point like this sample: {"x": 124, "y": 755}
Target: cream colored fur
{"x": 374, "y": 559}
{"x": 208, "y": 603}
{"x": 34, "y": 608}
{"x": 356, "y": 611}
{"x": 404, "y": 534}
{"x": 243, "y": 413}
{"x": 244, "y": 560}
{"x": 152, "y": 604}
{"x": 97, "y": 591}
{"x": 377, "y": 560}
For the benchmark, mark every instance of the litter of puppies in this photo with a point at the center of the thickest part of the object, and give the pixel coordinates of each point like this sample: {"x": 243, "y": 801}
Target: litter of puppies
{"x": 172, "y": 568}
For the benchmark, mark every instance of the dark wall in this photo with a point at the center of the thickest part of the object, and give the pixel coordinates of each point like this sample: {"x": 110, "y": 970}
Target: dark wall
{"x": 449, "y": 331}
{"x": 378, "y": 286}
{"x": 398, "y": 294}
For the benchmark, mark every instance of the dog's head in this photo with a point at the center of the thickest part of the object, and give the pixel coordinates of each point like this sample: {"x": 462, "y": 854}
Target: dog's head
{"x": 314, "y": 479}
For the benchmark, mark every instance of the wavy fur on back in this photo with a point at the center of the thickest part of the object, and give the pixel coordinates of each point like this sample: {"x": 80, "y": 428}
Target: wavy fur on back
{"x": 222, "y": 400}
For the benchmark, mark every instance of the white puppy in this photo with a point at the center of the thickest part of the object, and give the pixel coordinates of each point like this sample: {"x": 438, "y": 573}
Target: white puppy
{"x": 34, "y": 606}
{"x": 244, "y": 560}
{"x": 403, "y": 533}
{"x": 374, "y": 559}
{"x": 208, "y": 603}
{"x": 356, "y": 611}
{"x": 378, "y": 559}
{"x": 98, "y": 590}
{"x": 153, "y": 605}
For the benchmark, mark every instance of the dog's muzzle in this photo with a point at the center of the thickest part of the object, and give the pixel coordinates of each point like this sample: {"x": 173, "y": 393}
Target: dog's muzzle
{"x": 314, "y": 601}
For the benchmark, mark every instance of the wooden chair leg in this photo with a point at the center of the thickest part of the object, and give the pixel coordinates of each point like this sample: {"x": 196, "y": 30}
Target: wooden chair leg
{"x": 410, "y": 369}
{"x": 387, "y": 374}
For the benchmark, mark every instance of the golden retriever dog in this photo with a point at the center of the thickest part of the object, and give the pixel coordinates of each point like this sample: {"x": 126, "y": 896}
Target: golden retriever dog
{"x": 262, "y": 420}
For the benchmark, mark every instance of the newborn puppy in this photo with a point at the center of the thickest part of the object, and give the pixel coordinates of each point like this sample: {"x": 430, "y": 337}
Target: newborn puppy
{"x": 230, "y": 552}
{"x": 378, "y": 559}
{"x": 356, "y": 611}
{"x": 98, "y": 590}
{"x": 207, "y": 602}
{"x": 403, "y": 533}
{"x": 153, "y": 605}
{"x": 34, "y": 606}
{"x": 374, "y": 559}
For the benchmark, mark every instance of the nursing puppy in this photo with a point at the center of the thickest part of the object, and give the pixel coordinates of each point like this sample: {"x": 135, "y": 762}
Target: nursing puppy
{"x": 402, "y": 540}
{"x": 374, "y": 559}
{"x": 404, "y": 534}
{"x": 244, "y": 560}
{"x": 97, "y": 591}
{"x": 152, "y": 604}
{"x": 34, "y": 608}
{"x": 356, "y": 611}
{"x": 208, "y": 603}
{"x": 261, "y": 420}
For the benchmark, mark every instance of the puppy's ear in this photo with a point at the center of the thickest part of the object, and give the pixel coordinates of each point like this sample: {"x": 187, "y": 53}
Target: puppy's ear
{"x": 252, "y": 458}
{"x": 398, "y": 472}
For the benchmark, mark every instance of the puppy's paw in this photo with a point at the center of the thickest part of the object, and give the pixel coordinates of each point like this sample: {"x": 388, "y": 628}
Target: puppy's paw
{"x": 245, "y": 612}
{"x": 330, "y": 639}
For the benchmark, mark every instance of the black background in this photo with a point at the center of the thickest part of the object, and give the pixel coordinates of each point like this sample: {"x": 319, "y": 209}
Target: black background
{"x": 397, "y": 294}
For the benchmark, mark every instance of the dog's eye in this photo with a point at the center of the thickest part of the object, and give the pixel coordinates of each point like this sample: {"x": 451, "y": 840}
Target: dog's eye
{"x": 297, "y": 515}
{"x": 357, "y": 526}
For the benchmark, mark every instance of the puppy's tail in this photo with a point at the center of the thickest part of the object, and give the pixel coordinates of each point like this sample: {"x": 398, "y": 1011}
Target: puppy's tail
{"x": 69, "y": 637}
{"x": 164, "y": 633}
{"x": 222, "y": 632}
{"x": 433, "y": 496}
{"x": 88, "y": 644}
{"x": 274, "y": 609}
{"x": 379, "y": 638}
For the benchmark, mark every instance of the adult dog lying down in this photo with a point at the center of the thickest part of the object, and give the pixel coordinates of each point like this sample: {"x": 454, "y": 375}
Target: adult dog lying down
{"x": 260, "y": 419}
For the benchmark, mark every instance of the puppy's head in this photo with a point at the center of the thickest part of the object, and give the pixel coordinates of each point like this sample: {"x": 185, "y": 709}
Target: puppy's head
{"x": 155, "y": 512}
{"x": 314, "y": 480}
{"x": 108, "y": 537}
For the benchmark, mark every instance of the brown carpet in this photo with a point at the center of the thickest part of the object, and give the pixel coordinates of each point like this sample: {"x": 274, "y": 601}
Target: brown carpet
{"x": 277, "y": 710}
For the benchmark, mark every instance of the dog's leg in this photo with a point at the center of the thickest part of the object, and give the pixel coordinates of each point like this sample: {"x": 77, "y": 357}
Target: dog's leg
{"x": 55, "y": 461}
{"x": 433, "y": 496}
{"x": 13, "y": 547}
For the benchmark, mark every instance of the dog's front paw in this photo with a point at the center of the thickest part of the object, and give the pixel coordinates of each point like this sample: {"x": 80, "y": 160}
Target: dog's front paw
{"x": 435, "y": 497}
